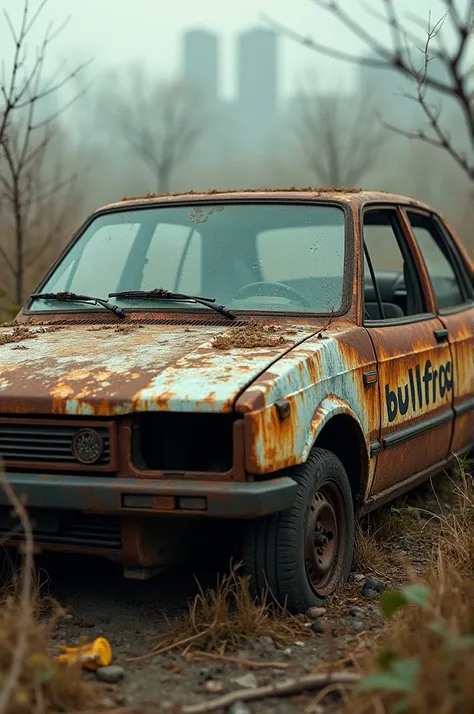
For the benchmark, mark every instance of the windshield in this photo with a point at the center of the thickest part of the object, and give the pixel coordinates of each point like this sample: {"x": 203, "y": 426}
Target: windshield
{"x": 271, "y": 257}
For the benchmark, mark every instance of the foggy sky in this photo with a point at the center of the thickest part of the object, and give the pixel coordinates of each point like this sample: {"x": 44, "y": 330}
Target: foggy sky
{"x": 115, "y": 32}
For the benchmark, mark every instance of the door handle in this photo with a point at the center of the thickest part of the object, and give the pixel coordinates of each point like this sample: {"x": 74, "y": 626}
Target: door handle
{"x": 441, "y": 334}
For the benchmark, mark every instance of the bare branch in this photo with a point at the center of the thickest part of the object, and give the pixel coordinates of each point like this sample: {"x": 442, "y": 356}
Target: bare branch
{"x": 26, "y": 140}
{"x": 399, "y": 57}
{"x": 292, "y": 686}
{"x": 398, "y": 32}
{"x": 323, "y": 49}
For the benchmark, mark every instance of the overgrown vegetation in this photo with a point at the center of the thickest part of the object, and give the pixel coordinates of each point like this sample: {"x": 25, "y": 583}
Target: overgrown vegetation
{"x": 427, "y": 659}
{"x": 31, "y": 681}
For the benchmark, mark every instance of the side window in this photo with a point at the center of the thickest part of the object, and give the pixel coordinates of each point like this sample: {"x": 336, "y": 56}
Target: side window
{"x": 391, "y": 286}
{"x": 446, "y": 286}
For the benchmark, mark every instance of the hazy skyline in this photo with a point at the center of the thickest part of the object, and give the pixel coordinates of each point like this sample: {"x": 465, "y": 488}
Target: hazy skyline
{"x": 149, "y": 32}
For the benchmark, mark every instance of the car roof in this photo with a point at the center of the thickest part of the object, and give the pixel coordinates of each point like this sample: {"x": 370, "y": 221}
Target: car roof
{"x": 354, "y": 196}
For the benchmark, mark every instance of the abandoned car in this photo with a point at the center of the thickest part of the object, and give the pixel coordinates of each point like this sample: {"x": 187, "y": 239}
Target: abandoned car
{"x": 285, "y": 360}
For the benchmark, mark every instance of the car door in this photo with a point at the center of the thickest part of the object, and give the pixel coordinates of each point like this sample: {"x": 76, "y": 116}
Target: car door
{"x": 454, "y": 301}
{"x": 414, "y": 364}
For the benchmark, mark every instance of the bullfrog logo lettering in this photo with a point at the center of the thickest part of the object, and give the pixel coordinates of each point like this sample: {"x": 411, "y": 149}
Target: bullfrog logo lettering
{"x": 421, "y": 390}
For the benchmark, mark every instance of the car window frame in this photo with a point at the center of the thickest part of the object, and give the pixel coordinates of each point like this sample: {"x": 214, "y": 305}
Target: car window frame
{"x": 347, "y": 300}
{"x": 453, "y": 258}
{"x": 418, "y": 268}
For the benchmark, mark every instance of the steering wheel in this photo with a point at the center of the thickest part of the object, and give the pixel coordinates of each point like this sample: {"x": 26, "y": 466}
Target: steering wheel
{"x": 271, "y": 289}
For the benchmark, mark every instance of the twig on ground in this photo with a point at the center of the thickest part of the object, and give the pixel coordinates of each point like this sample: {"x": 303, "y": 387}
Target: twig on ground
{"x": 236, "y": 660}
{"x": 168, "y": 648}
{"x": 295, "y": 686}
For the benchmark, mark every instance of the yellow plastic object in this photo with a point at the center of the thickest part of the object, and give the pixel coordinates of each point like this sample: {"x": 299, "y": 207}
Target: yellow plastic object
{"x": 91, "y": 656}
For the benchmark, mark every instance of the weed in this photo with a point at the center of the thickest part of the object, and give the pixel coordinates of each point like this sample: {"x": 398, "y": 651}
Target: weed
{"x": 226, "y": 616}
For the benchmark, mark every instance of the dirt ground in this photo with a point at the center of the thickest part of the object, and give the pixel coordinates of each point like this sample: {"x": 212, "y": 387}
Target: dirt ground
{"x": 99, "y": 602}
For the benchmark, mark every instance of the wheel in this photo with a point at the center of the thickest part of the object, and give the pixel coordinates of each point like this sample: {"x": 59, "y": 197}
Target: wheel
{"x": 304, "y": 554}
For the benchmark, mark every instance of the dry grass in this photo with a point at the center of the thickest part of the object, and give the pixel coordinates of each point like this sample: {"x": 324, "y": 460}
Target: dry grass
{"x": 226, "y": 617}
{"x": 368, "y": 555}
{"x": 42, "y": 686}
{"x": 31, "y": 681}
{"x": 435, "y": 637}
{"x": 377, "y": 532}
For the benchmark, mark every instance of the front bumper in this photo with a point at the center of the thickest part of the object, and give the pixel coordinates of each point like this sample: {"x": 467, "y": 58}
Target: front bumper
{"x": 124, "y": 496}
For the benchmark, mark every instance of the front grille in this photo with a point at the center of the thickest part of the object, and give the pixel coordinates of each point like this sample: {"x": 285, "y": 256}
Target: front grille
{"x": 45, "y": 443}
{"x": 67, "y": 528}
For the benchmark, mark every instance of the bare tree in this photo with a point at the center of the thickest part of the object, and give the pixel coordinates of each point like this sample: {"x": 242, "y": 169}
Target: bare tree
{"x": 27, "y": 134}
{"x": 160, "y": 122}
{"x": 340, "y": 136}
{"x": 406, "y": 45}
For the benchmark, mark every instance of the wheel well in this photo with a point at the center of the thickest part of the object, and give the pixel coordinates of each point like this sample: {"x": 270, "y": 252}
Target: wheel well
{"x": 343, "y": 436}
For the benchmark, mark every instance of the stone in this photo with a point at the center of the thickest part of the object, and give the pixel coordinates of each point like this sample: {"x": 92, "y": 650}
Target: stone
{"x": 107, "y": 703}
{"x": 358, "y": 626}
{"x": 111, "y": 674}
{"x": 204, "y": 675}
{"x": 315, "y": 612}
{"x": 358, "y": 577}
{"x": 287, "y": 652}
{"x": 213, "y": 686}
{"x": 267, "y": 642}
{"x": 374, "y": 584}
{"x": 247, "y": 681}
{"x": 370, "y": 594}
{"x": 318, "y": 627}
{"x": 357, "y": 611}
{"x": 239, "y": 708}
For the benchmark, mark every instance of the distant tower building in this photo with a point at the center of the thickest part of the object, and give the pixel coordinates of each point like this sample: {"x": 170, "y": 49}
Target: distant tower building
{"x": 258, "y": 72}
{"x": 201, "y": 62}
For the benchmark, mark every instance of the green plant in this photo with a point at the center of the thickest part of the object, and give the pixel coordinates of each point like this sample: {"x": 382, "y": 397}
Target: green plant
{"x": 398, "y": 677}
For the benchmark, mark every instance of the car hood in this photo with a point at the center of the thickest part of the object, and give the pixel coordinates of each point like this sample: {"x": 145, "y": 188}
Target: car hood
{"x": 118, "y": 369}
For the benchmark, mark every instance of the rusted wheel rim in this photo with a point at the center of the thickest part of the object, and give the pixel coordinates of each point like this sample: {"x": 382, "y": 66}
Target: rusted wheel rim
{"x": 325, "y": 539}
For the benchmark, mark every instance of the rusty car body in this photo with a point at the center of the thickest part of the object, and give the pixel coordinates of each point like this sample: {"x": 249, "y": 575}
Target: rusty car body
{"x": 343, "y": 377}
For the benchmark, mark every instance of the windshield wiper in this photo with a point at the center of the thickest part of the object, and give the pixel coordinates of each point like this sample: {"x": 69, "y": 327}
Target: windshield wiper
{"x": 160, "y": 294}
{"x": 75, "y": 297}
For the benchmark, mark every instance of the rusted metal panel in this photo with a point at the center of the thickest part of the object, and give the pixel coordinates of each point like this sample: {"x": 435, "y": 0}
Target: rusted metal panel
{"x": 460, "y": 328}
{"x": 354, "y": 196}
{"x": 99, "y": 494}
{"x": 321, "y": 378}
{"x": 79, "y": 371}
{"x": 416, "y": 383}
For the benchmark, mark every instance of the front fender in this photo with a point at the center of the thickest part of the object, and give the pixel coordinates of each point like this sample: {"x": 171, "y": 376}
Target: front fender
{"x": 273, "y": 444}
